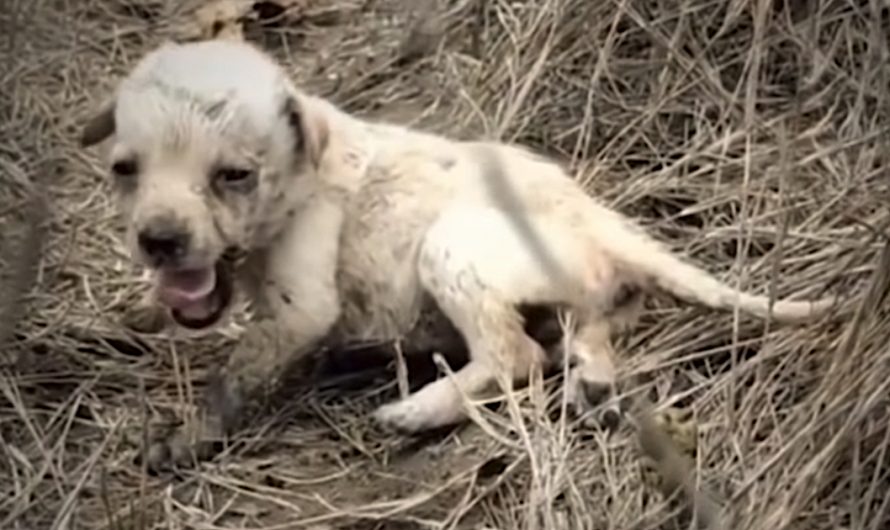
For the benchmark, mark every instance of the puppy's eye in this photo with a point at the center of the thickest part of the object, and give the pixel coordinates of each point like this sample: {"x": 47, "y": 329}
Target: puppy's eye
{"x": 234, "y": 178}
{"x": 125, "y": 168}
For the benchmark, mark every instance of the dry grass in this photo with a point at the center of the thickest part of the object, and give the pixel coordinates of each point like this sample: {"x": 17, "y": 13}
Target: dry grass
{"x": 752, "y": 140}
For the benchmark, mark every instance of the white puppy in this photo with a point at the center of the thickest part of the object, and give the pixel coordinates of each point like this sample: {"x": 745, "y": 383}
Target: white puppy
{"x": 352, "y": 228}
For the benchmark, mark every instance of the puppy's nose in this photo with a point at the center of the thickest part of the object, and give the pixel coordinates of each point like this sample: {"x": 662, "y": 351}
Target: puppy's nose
{"x": 163, "y": 241}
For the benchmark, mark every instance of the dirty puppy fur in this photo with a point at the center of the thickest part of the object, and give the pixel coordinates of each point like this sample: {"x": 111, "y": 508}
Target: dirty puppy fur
{"x": 350, "y": 226}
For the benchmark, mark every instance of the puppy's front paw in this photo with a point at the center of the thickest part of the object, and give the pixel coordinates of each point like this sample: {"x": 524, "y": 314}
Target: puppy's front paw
{"x": 145, "y": 318}
{"x": 593, "y": 401}
{"x": 225, "y": 401}
{"x": 183, "y": 446}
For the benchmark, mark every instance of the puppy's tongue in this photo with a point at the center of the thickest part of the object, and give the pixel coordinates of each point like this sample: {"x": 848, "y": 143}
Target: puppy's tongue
{"x": 186, "y": 290}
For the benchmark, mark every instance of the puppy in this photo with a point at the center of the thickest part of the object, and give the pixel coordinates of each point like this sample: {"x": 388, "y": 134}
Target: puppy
{"x": 350, "y": 228}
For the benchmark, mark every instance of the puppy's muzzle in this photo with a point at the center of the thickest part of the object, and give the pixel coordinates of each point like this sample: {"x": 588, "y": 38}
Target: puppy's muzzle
{"x": 164, "y": 241}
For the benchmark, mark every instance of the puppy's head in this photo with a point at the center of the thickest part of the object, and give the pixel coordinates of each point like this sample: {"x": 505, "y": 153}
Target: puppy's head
{"x": 210, "y": 149}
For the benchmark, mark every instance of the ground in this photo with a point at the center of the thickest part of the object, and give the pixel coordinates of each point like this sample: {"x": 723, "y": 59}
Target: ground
{"x": 749, "y": 136}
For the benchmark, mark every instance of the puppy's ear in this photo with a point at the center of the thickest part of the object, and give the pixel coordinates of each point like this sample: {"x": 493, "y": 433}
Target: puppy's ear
{"x": 310, "y": 128}
{"x": 99, "y": 127}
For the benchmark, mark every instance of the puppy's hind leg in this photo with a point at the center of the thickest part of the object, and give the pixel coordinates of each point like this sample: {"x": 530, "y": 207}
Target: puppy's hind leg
{"x": 456, "y": 268}
{"x": 497, "y": 345}
{"x": 591, "y": 379}
{"x": 591, "y": 382}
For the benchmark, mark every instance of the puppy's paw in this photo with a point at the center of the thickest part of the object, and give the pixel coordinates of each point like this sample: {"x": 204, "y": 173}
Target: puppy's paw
{"x": 434, "y": 407}
{"x": 404, "y": 416}
{"x": 182, "y": 447}
{"x": 145, "y": 318}
{"x": 593, "y": 401}
{"x": 225, "y": 401}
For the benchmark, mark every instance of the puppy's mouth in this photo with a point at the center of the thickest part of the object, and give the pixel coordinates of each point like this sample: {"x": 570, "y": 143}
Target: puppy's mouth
{"x": 197, "y": 297}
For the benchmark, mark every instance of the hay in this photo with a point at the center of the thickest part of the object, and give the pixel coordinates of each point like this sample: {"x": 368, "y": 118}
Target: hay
{"x": 749, "y": 137}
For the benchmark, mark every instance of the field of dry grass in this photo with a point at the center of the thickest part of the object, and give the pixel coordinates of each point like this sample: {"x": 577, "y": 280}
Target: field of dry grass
{"x": 751, "y": 136}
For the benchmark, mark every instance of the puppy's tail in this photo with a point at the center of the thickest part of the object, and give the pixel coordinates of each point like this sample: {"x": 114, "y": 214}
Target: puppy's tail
{"x": 643, "y": 255}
